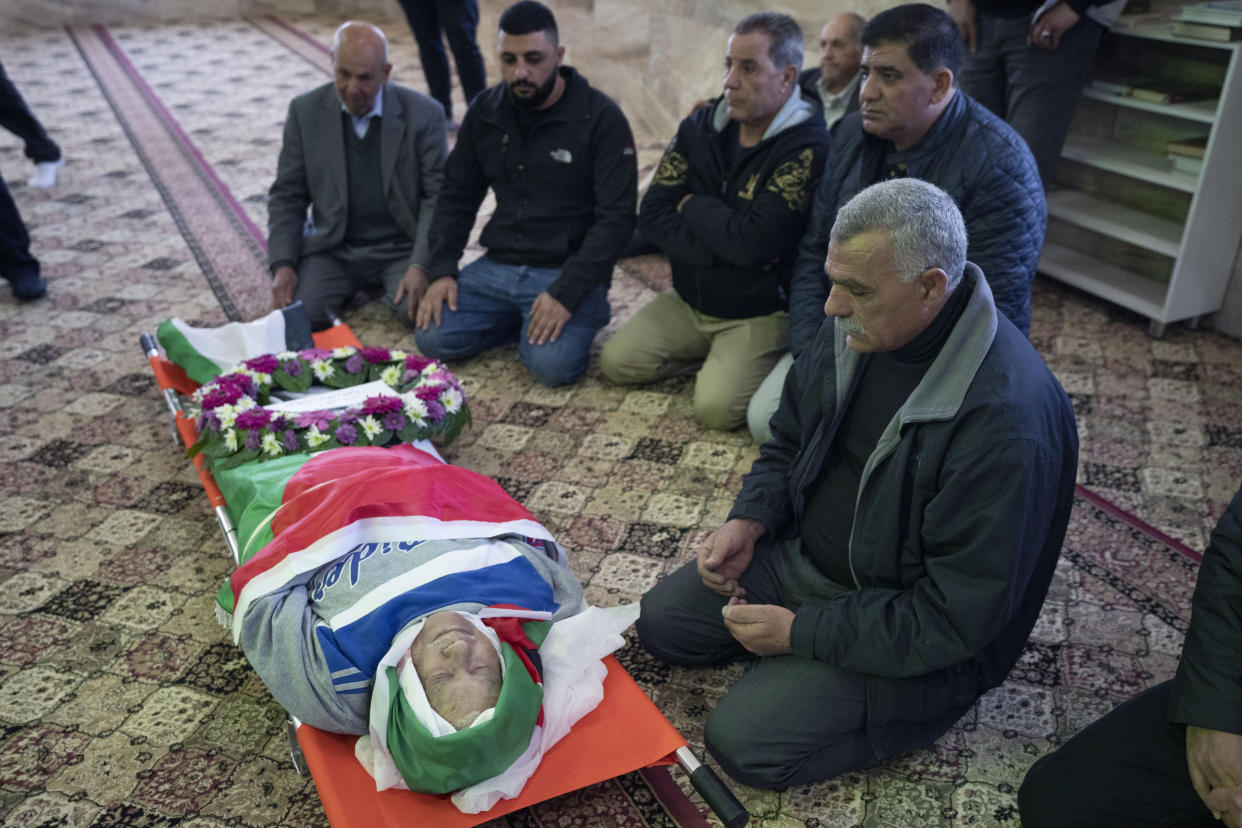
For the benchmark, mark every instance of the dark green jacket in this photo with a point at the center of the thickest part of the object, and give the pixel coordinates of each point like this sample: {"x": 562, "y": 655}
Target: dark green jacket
{"x": 959, "y": 519}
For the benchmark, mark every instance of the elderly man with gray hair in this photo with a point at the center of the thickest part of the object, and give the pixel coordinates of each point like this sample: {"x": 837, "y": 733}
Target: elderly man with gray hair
{"x": 890, "y": 549}
{"x": 728, "y": 204}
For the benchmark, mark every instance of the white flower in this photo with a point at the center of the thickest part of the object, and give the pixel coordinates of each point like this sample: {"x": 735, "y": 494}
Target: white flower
{"x": 451, "y": 398}
{"x": 315, "y": 437}
{"x": 323, "y": 369}
{"x": 287, "y": 355}
{"x": 370, "y": 426}
{"x": 344, "y": 353}
{"x": 395, "y": 354}
{"x": 230, "y": 439}
{"x": 392, "y": 374}
{"x": 415, "y": 409}
{"x": 227, "y": 414}
{"x": 245, "y": 404}
{"x": 272, "y": 445}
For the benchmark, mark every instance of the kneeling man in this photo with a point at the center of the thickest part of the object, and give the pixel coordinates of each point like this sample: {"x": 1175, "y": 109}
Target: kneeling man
{"x": 365, "y": 157}
{"x": 890, "y": 549}
{"x": 728, "y": 205}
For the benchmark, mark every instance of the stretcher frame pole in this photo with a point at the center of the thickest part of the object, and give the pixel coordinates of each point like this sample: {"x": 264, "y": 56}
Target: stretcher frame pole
{"x": 712, "y": 788}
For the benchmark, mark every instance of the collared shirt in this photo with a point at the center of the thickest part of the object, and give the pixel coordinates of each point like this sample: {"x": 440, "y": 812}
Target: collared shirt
{"x": 835, "y": 105}
{"x": 363, "y": 123}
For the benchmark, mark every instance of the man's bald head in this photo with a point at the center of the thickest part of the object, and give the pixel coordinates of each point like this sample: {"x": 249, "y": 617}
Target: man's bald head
{"x": 840, "y": 50}
{"x": 360, "y": 63}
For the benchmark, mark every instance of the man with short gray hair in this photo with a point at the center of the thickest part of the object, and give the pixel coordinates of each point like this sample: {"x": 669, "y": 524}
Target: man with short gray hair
{"x": 365, "y": 157}
{"x": 728, "y": 204}
{"x": 890, "y": 549}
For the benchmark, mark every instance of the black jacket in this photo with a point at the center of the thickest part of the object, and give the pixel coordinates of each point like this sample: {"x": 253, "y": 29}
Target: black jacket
{"x": 1208, "y": 689}
{"x": 960, "y": 513}
{"x": 973, "y": 156}
{"x": 733, "y": 243}
{"x": 809, "y": 81}
{"x": 565, "y": 195}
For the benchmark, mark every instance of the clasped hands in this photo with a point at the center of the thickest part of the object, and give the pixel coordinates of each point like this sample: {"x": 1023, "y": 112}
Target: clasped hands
{"x": 1214, "y": 758}
{"x": 763, "y": 629}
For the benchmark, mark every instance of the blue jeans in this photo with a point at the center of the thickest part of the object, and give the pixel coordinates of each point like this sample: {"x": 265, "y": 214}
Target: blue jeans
{"x": 493, "y": 308}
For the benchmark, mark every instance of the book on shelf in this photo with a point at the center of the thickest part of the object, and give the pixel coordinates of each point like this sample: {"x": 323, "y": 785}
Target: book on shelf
{"x": 1214, "y": 12}
{"x": 1185, "y": 165}
{"x": 1121, "y": 84}
{"x": 1174, "y": 91}
{"x": 1195, "y": 147}
{"x": 1206, "y": 31}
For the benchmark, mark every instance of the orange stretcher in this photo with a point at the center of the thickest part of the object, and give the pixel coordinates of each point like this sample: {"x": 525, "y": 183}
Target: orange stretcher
{"x": 626, "y": 732}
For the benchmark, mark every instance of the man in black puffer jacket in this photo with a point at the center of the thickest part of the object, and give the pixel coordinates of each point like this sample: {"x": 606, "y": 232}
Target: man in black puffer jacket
{"x": 914, "y": 122}
{"x": 728, "y": 205}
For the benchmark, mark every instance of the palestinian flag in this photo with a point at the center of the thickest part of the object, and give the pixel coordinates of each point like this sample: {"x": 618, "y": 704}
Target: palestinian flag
{"x": 296, "y": 513}
{"x": 205, "y": 352}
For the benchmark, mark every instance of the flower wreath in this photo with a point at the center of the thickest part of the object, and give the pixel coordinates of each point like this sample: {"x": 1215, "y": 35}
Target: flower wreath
{"x": 235, "y": 428}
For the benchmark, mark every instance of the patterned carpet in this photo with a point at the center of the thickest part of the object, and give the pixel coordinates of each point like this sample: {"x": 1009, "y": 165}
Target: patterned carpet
{"x": 122, "y": 703}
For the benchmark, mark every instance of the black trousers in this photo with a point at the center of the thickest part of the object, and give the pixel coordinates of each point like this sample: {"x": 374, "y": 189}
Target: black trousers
{"x": 790, "y": 720}
{"x": 1127, "y": 770}
{"x": 17, "y": 118}
{"x": 458, "y": 20}
{"x": 15, "y": 259}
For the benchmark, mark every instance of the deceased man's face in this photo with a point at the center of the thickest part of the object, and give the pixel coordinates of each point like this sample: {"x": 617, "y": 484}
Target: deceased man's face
{"x": 458, "y": 666}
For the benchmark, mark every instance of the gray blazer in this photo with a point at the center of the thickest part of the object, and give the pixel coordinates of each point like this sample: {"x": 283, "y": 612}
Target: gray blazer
{"x": 311, "y": 173}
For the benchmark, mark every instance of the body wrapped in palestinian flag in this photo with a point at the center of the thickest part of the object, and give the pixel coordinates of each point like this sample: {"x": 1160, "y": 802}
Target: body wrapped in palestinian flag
{"x": 365, "y": 543}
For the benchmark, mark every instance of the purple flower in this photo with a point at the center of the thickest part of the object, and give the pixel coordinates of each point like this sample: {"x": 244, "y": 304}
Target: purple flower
{"x": 346, "y": 434}
{"x": 394, "y": 421}
{"x": 280, "y": 422}
{"x": 435, "y": 410}
{"x": 409, "y": 374}
{"x": 209, "y": 419}
{"x": 312, "y": 354}
{"x": 265, "y": 364}
{"x": 221, "y": 395}
{"x": 252, "y": 440}
{"x": 381, "y": 404}
{"x": 293, "y": 368}
{"x": 253, "y": 418}
{"x": 374, "y": 355}
{"x": 428, "y": 393}
{"x": 290, "y": 441}
{"x": 417, "y": 363}
{"x": 320, "y": 419}
{"x": 350, "y": 416}
{"x": 354, "y": 364}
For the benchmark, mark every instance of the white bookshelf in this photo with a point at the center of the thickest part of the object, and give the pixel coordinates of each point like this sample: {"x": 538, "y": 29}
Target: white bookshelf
{"x": 1197, "y": 249}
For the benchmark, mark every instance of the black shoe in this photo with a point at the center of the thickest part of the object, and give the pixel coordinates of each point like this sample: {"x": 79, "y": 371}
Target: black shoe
{"x": 29, "y": 288}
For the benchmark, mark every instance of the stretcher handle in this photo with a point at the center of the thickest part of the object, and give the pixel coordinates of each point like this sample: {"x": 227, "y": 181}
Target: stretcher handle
{"x": 148, "y": 345}
{"x": 714, "y": 791}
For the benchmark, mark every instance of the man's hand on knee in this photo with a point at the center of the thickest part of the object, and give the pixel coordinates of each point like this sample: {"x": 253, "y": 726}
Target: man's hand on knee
{"x": 725, "y": 554}
{"x": 412, "y": 286}
{"x": 547, "y": 319}
{"x": 438, "y": 292}
{"x": 285, "y": 281}
{"x": 761, "y": 628}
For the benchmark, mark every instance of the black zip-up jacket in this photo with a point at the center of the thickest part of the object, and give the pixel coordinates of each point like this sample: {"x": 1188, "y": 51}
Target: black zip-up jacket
{"x": 565, "y": 194}
{"x": 1208, "y": 689}
{"x": 733, "y": 244}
